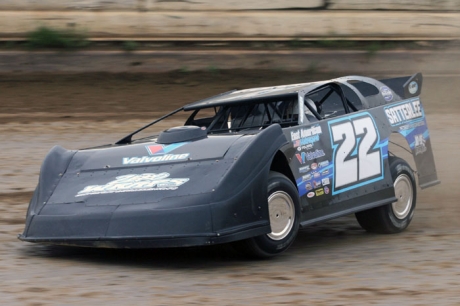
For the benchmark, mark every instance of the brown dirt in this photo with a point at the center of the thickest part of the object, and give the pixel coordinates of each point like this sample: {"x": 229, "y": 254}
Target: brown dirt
{"x": 32, "y": 98}
{"x": 336, "y": 263}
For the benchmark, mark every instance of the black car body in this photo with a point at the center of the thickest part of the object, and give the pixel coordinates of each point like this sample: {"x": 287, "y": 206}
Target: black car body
{"x": 230, "y": 172}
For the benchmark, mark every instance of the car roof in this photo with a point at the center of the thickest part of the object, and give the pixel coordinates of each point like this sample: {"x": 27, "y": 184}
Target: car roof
{"x": 284, "y": 92}
{"x": 253, "y": 95}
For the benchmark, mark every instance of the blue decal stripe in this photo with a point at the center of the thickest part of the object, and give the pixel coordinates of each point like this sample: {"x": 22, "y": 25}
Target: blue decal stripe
{"x": 171, "y": 147}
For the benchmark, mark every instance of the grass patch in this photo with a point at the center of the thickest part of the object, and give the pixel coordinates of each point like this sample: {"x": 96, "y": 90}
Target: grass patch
{"x": 336, "y": 44}
{"x": 48, "y": 38}
{"x": 130, "y": 45}
{"x": 373, "y": 48}
{"x": 296, "y": 43}
{"x": 213, "y": 69}
{"x": 184, "y": 69}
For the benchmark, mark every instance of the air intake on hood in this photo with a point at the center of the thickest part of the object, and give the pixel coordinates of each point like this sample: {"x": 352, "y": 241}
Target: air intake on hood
{"x": 182, "y": 133}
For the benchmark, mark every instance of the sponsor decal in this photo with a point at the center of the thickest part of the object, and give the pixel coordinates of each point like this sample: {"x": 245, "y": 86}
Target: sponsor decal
{"x": 307, "y": 156}
{"x": 306, "y": 177}
{"x": 311, "y": 194}
{"x": 323, "y": 164}
{"x": 419, "y": 144}
{"x": 305, "y": 147}
{"x": 386, "y": 93}
{"x": 154, "y": 159}
{"x": 413, "y": 87}
{"x": 326, "y": 190}
{"x": 325, "y": 172}
{"x": 314, "y": 166}
{"x": 135, "y": 183}
{"x": 316, "y": 184}
{"x": 308, "y": 186}
{"x": 304, "y": 169}
{"x": 308, "y": 140}
{"x": 403, "y": 112}
{"x": 158, "y": 153}
{"x": 163, "y": 149}
{"x": 411, "y": 125}
{"x": 319, "y": 192}
{"x": 306, "y": 135}
{"x": 316, "y": 174}
{"x": 325, "y": 181}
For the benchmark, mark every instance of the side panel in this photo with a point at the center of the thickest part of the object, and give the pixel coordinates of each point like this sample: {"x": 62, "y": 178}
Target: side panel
{"x": 408, "y": 119}
{"x": 341, "y": 164}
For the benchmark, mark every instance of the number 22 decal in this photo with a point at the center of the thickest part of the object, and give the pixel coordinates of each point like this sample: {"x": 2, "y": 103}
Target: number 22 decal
{"x": 357, "y": 159}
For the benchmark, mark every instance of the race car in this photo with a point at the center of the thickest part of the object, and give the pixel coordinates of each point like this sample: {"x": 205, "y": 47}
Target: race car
{"x": 247, "y": 167}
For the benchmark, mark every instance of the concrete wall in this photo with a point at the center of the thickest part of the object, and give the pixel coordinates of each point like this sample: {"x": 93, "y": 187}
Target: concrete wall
{"x": 236, "y": 19}
{"x": 227, "y": 5}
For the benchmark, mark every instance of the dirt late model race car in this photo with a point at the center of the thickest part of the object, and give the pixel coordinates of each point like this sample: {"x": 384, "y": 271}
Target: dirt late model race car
{"x": 248, "y": 167}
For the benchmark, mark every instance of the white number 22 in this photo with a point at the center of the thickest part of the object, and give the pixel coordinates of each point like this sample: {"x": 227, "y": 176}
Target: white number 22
{"x": 360, "y": 133}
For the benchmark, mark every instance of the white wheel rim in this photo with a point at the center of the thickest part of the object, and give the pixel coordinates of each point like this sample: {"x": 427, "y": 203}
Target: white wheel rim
{"x": 282, "y": 214}
{"x": 404, "y": 194}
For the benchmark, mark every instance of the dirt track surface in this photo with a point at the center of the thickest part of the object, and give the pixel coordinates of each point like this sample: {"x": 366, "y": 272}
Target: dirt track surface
{"x": 336, "y": 263}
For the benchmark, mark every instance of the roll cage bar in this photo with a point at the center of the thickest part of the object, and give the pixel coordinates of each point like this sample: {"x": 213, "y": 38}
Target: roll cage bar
{"x": 258, "y": 115}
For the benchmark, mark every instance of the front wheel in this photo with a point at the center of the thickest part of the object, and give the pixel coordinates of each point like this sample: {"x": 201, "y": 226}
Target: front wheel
{"x": 394, "y": 217}
{"x": 284, "y": 212}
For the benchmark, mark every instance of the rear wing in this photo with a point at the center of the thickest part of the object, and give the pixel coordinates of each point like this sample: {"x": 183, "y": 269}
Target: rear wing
{"x": 406, "y": 87}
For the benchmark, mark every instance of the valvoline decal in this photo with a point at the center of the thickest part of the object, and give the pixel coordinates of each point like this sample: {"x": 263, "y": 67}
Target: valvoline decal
{"x": 158, "y": 153}
{"x": 163, "y": 149}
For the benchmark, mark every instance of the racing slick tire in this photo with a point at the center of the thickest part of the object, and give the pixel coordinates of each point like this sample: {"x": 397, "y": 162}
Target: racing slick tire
{"x": 284, "y": 212}
{"x": 393, "y": 217}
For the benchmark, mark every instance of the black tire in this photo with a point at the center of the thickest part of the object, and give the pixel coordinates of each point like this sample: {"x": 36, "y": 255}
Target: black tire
{"x": 284, "y": 210}
{"x": 393, "y": 217}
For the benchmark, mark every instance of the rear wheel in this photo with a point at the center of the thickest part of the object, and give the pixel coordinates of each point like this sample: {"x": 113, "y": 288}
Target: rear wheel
{"x": 394, "y": 217}
{"x": 284, "y": 212}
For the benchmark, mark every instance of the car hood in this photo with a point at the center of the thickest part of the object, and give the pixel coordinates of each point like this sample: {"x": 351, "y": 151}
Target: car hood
{"x": 145, "y": 172}
{"x": 152, "y": 153}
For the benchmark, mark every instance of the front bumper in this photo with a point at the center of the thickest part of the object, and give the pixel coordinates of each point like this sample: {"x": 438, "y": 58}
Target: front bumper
{"x": 189, "y": 240}
{"x": 133, "y": 226}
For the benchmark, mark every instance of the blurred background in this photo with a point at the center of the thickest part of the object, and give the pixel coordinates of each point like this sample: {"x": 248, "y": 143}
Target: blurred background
{"x": 80, "y": 73}
{"x": 206, "y": 34}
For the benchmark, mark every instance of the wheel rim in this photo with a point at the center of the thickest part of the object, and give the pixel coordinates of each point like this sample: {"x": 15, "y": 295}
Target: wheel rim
{"x": 404, "y": 194}
{"x": 282, "y": 213}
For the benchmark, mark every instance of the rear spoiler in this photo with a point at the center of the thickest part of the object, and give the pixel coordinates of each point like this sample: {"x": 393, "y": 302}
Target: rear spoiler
{"x": 406, "y": 87}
